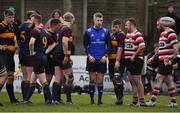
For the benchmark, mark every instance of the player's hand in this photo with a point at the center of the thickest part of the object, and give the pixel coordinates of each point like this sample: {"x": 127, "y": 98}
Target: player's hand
{"x": 149, "y": 61}
{"x": 103, "y": 59}
{"x": 133, "y": 58}
{"x": 66, "y": 60}
{"x": 91, "y": 59}
{"x": 32, "y": 53}
{"x": 156, "y": 70}
{"x": 167, "y": 62}
{"x": 70, "y": 61}
{"x": 117, "y": 65}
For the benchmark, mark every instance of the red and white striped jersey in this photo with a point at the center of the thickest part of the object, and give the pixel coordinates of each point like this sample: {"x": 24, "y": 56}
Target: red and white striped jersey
{"x": 166, "y": 41}
{"x": 132, "y": 43}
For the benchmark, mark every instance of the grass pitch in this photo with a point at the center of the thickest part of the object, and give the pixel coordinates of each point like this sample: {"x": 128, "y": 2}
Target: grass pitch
{"x": 81, "y": 104}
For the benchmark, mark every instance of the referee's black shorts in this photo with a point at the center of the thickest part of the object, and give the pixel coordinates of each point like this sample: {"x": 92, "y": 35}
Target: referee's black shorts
{"x": 97, "y": 66}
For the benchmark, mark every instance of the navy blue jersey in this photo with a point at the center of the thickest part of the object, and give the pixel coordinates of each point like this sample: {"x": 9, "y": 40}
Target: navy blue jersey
{"x": 24, "y": 38}
{"x": 40, "y": 40}
{"x": 51, "y": 38}
{"x": 97, "y": 42}
{"x": 64, "y": 32}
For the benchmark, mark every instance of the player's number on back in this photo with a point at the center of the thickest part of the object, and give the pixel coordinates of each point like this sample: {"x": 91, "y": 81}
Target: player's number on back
{"x": 22, "y": 39}
{"x": 44, "y": 41}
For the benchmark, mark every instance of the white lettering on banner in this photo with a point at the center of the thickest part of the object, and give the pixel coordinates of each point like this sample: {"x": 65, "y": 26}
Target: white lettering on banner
{"x": 81, "y": 76}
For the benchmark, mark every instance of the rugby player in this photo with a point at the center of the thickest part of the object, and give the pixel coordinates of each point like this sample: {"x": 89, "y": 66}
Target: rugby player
{"x": 168, "y": 49}
{"x": 133, "y": 52}
{"x": 8, "y": 46}
{"x": 25, "y": 60}
{"x": 37, "y": 47}
{"x": 176, "y": 73}
{"x": 116, "y": 61}
{"x": 63, "y": 63}
{"x": 52, "y": 36}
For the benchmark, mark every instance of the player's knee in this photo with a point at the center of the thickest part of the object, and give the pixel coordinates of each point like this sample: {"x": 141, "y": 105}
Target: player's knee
{"x": 158, "y": 81}
{"x": 32, "y": 84}
{"x": 117, "y": 81}
{"x": 69, "y": 79}
{"x": 44, "y": 84}
{"x": 10, "y": 79}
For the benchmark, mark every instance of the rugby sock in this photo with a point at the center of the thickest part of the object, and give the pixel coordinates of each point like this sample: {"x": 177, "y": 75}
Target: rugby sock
{"x": 91, "y": 90}
{"x": 171, "y": 92}
{"x": 56, "y": 91}
{"x": 24, "y": 88}
{"x": 1, "y": 86}
{"x": 135, "y": 100}
{"x": 100, "y": 92}
{"x": 115, "y": 89}
{"x": 68, "y": 90}
{"x": 38, "y": 86}
{"x": 141, "y": 100}
{"x": 10, "y": 91}
{"x": 30, "y": 91}
{"x": 120, "y": 89}
{"x": 47, "y": 93}
{"x": 155, "y": 93}
{"x": 178, "y": 87}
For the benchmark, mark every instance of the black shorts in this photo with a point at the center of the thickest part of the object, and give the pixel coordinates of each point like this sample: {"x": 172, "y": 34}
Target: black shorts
{"x": 164, "y": 70}
{"x": 8, "y": 62}
{"x": 97, "y": 66}
{"x": 39, "y": 63}
{"x": 134, "y": 67}
{"x": 111, "y": 68}
{"x": 50, "y": 66}
{"x": 58, "y": 61}
{"x": 25, "y": 60}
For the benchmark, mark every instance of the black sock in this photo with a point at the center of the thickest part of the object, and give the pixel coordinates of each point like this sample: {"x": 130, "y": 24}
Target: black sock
{"x": 10, "y": 91}
{"x": 120, "y": 89}
{"x": 30, "y": 91}
{"x": 115, "y": 90}
{"x": 47, "y": 93}
{"x": 23, "y": 89}
{"x": 91, "y": 90}
{"x": 100, "y": 92}
{"x": 38, "y": 86}
{"x": 56, "y": 91}
{"x": 26, "y": 88}
{"x": 68, "y": 90}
